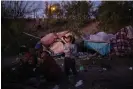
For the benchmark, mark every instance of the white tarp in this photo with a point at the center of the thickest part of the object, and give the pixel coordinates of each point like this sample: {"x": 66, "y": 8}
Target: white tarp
{"x": 101, "y": 37}
{"x": 111, "y": 36}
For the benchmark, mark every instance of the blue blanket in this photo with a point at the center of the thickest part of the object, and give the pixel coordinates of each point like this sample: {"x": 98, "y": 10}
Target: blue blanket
{"x": 102, "y": 48}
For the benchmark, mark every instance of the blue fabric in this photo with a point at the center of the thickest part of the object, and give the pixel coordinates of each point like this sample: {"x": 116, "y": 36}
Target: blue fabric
{"x": 38, "y": 45}
{"x": 102, "y": 48}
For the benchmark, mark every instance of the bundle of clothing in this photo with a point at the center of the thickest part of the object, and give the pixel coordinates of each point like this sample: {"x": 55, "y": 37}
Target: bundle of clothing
{"x": 121, "y": 45}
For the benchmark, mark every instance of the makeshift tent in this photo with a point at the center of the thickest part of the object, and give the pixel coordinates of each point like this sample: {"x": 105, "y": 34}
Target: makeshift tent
{"x": 86, "y": 36}
{"x": 54, "y": 41}
{"x": 57, "y": 47}
{"x": 95, "y": 38}
{"x": 101, "y": 47}
{"x": 101, "y": 37}
{"x": 61, "y": 34}
{"x": 49, "y": 39}
{"x": 111, "y": 36}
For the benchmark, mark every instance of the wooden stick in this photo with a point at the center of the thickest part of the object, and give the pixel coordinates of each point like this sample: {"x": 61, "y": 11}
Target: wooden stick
{"x": 31, "y": 35}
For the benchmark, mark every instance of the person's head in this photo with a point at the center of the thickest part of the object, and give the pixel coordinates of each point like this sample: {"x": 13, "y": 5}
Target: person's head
{"x": 70, "y": 39}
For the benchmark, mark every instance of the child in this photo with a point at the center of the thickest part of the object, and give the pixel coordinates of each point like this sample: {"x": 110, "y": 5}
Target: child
{"x": 70, "y": 53}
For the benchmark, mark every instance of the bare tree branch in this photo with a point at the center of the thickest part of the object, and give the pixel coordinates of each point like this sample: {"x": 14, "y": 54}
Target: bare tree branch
{"x": 18, "y": 9}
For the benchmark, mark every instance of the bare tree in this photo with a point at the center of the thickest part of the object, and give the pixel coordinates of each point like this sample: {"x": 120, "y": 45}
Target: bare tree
{"x": 11, "y": 25}
{"x": 19, "y": 9}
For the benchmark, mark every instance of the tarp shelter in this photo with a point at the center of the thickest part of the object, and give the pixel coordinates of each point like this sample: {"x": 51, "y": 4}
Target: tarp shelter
{"x": 52, "y": 41}
{"x": 101, "y": 47}
{"x": 49, "y": 39}
{"x": 63, "y": 33}
{"x": 57, "y": 47}
{"x": 101, "y": 37}
{"x": 99, "y": 42}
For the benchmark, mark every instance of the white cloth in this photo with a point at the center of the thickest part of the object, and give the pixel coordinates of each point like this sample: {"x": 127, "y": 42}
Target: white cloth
{"x": 101, "y": 37}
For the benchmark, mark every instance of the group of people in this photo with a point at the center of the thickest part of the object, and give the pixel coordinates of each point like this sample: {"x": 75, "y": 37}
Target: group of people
{"x": 39, "y": 59}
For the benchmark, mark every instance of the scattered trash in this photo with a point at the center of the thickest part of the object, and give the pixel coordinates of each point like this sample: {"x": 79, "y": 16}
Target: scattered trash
{"x": 82, "y": 55}
{"x": 13, "y": 69}
{"x": 104, "y": 69}
{"x": 79, "y": 83}
{"x": 33, "y": 82}
{"x": 100, "y": 70}
{"x": 130, "y": 68}
{"x": 34, "y": 69}
{"x": 77, "y": 70}
{"x": 41, "y": 76}
{"x": 81, "y": 68}
{"x": 17, "y": 58}
{"x": 56, "y": 87}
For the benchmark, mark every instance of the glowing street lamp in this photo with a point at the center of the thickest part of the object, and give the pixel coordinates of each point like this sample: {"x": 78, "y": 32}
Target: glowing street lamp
{"x": 53, "y": 8}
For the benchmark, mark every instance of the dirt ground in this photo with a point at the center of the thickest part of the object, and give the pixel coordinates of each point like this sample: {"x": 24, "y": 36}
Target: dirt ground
{"x": 116, "y": 76}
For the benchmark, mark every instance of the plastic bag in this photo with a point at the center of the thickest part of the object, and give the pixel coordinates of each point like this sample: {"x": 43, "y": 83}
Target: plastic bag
{"x": 79, "y": 83}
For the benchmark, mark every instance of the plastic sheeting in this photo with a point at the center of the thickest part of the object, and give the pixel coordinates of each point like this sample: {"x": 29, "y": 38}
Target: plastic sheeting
{"x": 111, "y": 36}
{"x": 57, "y": 47}
{"x": 95, "y": 38}
{"x": 102, "y": 48}
{"x": 38, "y": 45}
{"x": 101, "y": 37}
{"x": 63, "y": 33}
{"x": 51, "y": 37}
{"x": 48, "y": 39}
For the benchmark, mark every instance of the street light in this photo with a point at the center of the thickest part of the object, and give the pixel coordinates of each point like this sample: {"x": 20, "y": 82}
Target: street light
{"x": 53, "y": 8}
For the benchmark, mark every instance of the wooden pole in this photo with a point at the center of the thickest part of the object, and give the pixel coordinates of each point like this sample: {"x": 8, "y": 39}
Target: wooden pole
{"x": 31, "y": 35}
